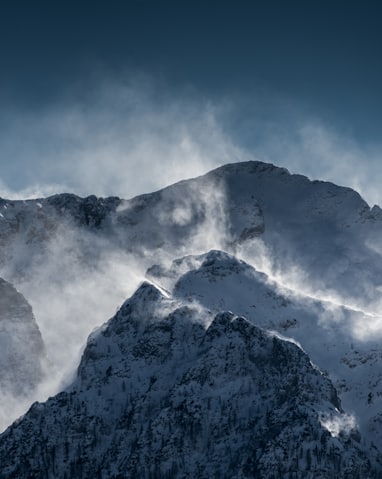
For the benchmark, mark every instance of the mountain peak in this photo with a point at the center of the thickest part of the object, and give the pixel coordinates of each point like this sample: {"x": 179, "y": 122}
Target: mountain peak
{"x": 146, "y": 299}
{"x": 228, "y": 400}
{"x": 251, "y": 167}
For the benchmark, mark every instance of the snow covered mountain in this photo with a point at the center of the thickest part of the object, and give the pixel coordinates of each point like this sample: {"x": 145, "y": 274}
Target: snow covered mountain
{"x": 332, "y": 335}
{"x": 150, "y": 380}
{"x": 328, "y": 231}
{"x": 169, "y": 390}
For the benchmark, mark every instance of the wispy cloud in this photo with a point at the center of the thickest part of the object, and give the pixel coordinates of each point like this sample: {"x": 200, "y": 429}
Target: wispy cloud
{"x": 124, "y": 138}
{"x": 133, "y": 134}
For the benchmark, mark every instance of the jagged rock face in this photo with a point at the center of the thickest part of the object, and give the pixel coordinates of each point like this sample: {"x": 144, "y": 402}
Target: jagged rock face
{"x": 90, "y": 211}
{"x": 28, "y": 228}
{"x": 328, "y": 332}
{"x": 168, "y": 390}
{"x": 21, "y": 346}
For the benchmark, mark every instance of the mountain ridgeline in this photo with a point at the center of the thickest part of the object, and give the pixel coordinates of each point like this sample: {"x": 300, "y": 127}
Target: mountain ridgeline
{"x": 328, "y": 231}
{"x": 252, "y": 350}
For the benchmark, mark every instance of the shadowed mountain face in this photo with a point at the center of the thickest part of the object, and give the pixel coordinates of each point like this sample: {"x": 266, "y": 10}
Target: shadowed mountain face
{"x": 168, "y": 390}
{"x": 22, "y": 349}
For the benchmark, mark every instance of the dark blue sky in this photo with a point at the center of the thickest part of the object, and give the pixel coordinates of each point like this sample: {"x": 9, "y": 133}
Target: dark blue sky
{"x": 321, "y": 59}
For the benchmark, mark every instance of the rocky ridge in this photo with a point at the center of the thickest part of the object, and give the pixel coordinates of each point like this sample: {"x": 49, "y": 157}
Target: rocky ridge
{"x": 331, "y": 334}
{"x": 166, "y": 389}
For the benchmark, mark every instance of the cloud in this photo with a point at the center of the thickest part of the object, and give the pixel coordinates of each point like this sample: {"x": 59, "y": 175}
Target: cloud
{"x": 133, "y": 134}
{"x": 35, "y": 190}
{"x": 71, "y": 295}
{"x": 124, "y": 138}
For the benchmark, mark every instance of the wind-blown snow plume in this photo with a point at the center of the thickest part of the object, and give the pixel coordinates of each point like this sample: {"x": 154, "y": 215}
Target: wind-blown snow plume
{"x": 121, "y": 137}
{"x": 75, "y": 279}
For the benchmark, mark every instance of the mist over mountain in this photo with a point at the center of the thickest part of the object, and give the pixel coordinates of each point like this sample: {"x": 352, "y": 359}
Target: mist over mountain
{"x": 255, "y": 354}
{"x": 22, "y": 350}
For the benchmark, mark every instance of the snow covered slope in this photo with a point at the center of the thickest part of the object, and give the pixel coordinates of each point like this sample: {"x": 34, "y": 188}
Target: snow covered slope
{"x": 336, "y": 338}
{"x": 165, "y": 389}
{"x": 326, "y": 232}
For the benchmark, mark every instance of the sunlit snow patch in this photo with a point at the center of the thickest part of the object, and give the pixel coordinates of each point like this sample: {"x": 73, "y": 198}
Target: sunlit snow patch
{"x": 341, "y": 424}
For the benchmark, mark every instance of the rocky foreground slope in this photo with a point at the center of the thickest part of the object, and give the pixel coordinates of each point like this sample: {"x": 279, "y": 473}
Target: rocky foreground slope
{"x": 166, "y": 389}
{"x": 340, "y": 340}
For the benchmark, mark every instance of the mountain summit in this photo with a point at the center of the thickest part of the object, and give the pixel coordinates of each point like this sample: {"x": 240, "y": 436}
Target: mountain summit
{"x": 327, "y": 231}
